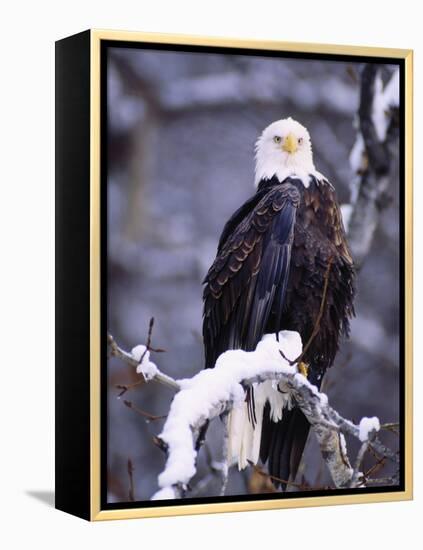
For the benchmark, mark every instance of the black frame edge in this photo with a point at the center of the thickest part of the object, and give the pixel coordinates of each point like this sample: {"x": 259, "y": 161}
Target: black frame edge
{"x": 72, "y": 211}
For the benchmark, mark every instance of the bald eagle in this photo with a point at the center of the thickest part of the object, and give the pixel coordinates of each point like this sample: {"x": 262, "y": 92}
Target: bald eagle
{"x": 273, "y": 259}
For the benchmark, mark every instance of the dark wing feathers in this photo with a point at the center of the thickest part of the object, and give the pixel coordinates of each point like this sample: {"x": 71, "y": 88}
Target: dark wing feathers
{"x": 250, "y": 272}
{"x": 238, "y": 216}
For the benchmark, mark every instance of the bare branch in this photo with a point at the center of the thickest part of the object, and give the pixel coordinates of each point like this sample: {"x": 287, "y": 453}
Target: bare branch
{"x": 148, "y": 416}
{"x": 287, "y": 482}
{"x": 126, "y": 387}
{"x": 131, "y": 480}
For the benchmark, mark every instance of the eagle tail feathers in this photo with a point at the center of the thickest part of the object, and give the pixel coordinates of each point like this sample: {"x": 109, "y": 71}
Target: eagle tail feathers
{"x": 245, "y": 435}
{"x": 283, "y": 443}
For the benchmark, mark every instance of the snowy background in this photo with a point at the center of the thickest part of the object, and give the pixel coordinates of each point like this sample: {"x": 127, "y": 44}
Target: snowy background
{"x": 182, "y": 129}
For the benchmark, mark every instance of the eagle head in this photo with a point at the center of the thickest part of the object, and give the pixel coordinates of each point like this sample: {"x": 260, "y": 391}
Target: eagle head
{"x": 282, "y": 150}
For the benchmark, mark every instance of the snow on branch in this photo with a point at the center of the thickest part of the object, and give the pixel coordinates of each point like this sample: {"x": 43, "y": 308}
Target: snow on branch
{"x": 215, "y": 392}
{"x": 139, "y": 358}
{"x": 370, "y": 158}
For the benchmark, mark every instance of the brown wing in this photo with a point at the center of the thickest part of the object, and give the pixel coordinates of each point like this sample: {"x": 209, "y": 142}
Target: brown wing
{"x": 320, "y": 241}
{"x": 249, "y": 274}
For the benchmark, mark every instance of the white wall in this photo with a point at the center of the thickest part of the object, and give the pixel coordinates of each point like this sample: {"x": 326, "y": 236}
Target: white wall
{"x": 26, "y": 217}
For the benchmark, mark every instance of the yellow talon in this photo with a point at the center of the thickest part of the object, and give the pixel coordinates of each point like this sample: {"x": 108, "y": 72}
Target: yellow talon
{"x": 303, "y": 369}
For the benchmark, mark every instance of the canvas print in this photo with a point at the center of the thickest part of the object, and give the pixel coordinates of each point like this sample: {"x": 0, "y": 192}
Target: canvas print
{"x": 253, "y": 244}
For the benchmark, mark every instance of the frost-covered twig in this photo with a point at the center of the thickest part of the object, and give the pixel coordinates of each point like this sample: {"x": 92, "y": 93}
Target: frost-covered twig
{"x": 139, "y": 358}
{"x": 370, "y": 158}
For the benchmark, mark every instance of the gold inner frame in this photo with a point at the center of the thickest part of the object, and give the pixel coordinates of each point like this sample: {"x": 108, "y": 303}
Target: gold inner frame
{"x": 95, "y": 280}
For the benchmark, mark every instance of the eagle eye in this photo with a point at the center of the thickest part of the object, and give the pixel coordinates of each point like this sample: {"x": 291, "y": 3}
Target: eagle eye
{"x": 277, "y": 139}
{"x": 300, "y": 140}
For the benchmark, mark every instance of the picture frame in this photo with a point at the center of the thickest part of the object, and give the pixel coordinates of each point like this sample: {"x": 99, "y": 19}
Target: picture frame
{"x": 82, "y": 234}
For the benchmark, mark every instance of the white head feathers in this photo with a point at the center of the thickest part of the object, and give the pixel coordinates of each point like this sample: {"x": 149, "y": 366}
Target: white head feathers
{"x": 283, "y": 150}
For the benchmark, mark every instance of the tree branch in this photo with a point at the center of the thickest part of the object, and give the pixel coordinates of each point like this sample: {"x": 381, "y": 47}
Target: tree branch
{"x": 215, "y": 392}
{"x": 136, "y": 360}
{"x": 370, "y": 158}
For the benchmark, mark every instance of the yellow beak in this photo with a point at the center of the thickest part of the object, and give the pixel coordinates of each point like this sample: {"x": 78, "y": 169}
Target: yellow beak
{"x": 290, "y": 144}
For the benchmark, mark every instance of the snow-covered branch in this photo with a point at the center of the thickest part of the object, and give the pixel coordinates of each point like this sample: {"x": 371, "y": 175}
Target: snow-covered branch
{"x": 370, "y": 158}
{"x": 215, "y": 392}
{"x": 139, "y": 358}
